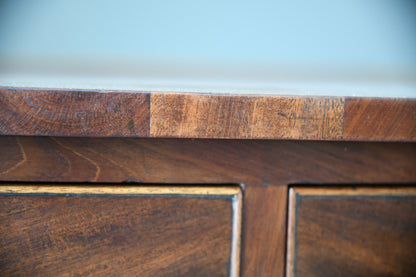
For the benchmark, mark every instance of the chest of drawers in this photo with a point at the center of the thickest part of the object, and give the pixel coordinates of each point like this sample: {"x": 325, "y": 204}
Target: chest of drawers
{"x": 110, "y": 182}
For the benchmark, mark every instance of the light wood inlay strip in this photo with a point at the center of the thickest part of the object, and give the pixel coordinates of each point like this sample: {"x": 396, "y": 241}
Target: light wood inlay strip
{"x": 348, "y": 191}
{"x": 201, "y": 191}
{"x": 291, "y": 225}
{"x": 236, "y": 231}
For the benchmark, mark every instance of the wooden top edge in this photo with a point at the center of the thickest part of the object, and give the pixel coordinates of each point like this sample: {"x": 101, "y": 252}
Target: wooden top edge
{"x": 350, "y": 191}
{"x": 119, "y": 190}
{"x": 112, "y": 113}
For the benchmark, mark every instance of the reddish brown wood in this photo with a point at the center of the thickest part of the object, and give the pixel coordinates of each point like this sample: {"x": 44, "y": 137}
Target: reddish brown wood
{"x": 380, "y": 119}
{"x": 216, "y": 116}
{"x": 264, "y": 231}
{"x": 107, "y": 235}
{"x": 347, "y": 232}
{"x": 94, "y": 113}
{"x": 265, "y": 167}
{"x": 251, "y": 162}
{"x": 73, "y": 113}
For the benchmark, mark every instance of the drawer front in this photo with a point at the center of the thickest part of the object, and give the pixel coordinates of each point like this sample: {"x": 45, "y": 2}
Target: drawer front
{"x": 352, "y": 232}
{"x": 119, "y": 231}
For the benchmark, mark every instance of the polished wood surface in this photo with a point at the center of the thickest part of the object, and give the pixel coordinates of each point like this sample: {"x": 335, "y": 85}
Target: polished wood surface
{"x": 264, "y": 230}
{"x": 91, "y": 136}
{"x": 264, "y": 167}
{"x": 90, "y": 231}
{"x": 214, "y": 116}
{"x": 352, "y": 232}
{"x": 377, "y": 119}
{"x": 252, "y": 162}
{"x": 73, "y": 113}
{"x": 97, "y": 113}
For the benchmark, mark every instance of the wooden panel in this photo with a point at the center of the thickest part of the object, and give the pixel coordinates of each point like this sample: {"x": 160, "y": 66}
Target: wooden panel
{"x": 214, "y": 116}
{"x": 380, "y": 119}
{"x": 73, "y": 113}
{"x": 264, "y": 231}
{"x": 125, "y": 231}
{"x": 253, "y": 162}
{"x": 352, "y": 232}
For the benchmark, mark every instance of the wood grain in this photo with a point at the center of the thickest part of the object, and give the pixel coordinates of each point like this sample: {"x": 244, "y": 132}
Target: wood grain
{"x": 253, "y": 162}
{"x": 95, "y": 113}
{"x": 216, "y": 116}
{"x": 347, "y": 232}
{"x": 83, "y": 234}
{"x": 265, "y": 167}
{"x": 264, "y": 231}
{"x": 380, "y": 119}
{"x": 73, "y": 113}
